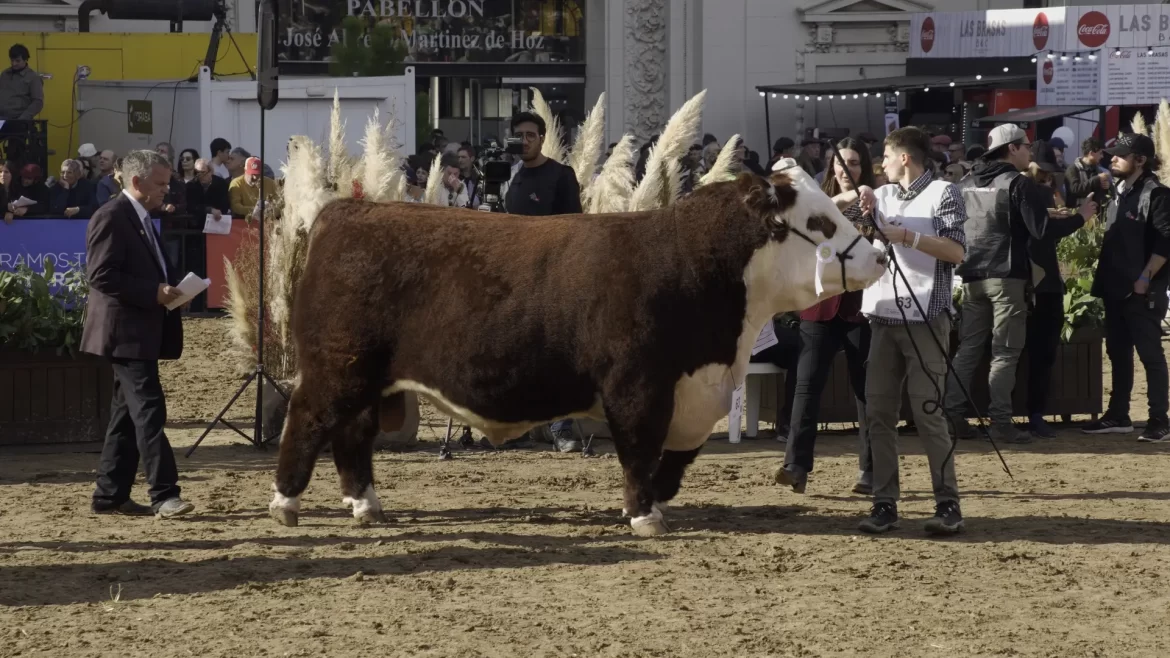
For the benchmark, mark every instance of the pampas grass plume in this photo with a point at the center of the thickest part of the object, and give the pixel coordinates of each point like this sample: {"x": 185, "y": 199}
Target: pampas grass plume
{"x": 677, "y": 137}
{"x": 613, "y": 187}
{"x": 588, "y": 147}
{"x": 725, "y": 165}
{"x": 554, "y": 148}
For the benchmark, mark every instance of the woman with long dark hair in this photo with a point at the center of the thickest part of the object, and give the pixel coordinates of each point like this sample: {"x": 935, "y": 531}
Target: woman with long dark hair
{"x": 833, "y": 324}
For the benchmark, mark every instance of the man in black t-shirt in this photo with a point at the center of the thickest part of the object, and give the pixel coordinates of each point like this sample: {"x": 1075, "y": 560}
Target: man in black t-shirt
{"x": 542, "y": 187}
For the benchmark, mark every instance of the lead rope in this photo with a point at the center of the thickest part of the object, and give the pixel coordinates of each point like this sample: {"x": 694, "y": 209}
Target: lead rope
{"x": 928, "y": 406}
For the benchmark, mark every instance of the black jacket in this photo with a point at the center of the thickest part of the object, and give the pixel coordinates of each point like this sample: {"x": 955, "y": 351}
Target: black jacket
{"x": 1131, "y": 239}
{"x": 123, "y": 318}
{"x": 200, "y": 201}
{"x": 1028, "y": 208}
{"x": 83, "y": 195}
{"x": 550, "y": 189}
{"x": 1043, "y": 250}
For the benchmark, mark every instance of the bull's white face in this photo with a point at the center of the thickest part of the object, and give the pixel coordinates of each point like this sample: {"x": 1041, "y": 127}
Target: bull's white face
{"x": 784, "y": 272}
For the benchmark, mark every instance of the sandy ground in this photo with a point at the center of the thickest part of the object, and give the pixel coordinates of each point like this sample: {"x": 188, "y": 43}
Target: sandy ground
{"x": 524, "y": 554}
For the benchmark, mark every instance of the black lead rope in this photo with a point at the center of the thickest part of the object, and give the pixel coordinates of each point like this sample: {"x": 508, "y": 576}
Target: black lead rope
{"x": 928, "y": 406}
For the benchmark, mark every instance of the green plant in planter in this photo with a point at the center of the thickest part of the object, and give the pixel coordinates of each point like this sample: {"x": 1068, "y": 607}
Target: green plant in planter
{"x": 34, "y": 317}
{"x": 1078, "y": 255}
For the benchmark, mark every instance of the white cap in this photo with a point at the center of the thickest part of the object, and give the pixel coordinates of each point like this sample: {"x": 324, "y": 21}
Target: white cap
{"x": 87, "y": 151}
{"x": 1004, "y": 134}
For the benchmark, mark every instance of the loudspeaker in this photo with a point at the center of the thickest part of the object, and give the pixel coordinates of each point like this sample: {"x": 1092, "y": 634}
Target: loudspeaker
{"x": 268, "y": 71}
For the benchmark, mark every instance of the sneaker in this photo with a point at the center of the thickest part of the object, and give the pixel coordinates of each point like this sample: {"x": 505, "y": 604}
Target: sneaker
{"x": 172, "y": 507}
{"x": 565, "y": 441}
{"x": 947, "y": 519}
{"x": 1040, "y": 427}
{"x": 1009, "y": 433}
{"x": 1109, "y": 425}
{"x": 1155, "y": 432}
{"x": 791, "y": 475}
{"x": 882, "y": 518}
{"x": 864, "y": 483}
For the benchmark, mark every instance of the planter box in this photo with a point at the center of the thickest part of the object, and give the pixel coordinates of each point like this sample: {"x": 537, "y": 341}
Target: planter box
{"x": 50, "y": 399}
{"x": 1076, "y": 386}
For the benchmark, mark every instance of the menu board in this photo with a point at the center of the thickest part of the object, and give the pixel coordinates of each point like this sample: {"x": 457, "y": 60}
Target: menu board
{"x": 1068, "y": 82}
{"x": 1135, "y": 77}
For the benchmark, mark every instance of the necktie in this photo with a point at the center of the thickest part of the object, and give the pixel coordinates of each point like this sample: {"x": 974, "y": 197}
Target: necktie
{"x": 148, "y": 224}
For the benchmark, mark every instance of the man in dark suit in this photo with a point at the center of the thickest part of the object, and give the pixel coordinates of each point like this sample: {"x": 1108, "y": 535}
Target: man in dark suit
{"x": 127, "y": 322}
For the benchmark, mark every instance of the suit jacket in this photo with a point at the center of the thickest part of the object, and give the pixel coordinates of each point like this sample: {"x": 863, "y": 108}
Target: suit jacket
{"x": 123, "y": 317}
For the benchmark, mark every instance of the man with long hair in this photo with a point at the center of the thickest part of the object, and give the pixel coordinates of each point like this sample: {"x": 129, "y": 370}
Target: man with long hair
{"x": 921, "y": 220}
{"x": 1132, "y": 282}
{"x": 828, "y": 327}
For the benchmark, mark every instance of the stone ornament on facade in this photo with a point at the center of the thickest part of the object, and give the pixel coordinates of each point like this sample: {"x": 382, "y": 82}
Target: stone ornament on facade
{"x": 645, "y": 56}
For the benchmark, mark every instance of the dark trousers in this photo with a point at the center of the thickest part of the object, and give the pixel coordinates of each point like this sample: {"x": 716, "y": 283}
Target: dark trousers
{"x": 1044, "y": 325}
{"x": 1130, "y": 323}
{"x": 820, "y": 342}
{"x": 784, "y": 354}
{"x": 138, "y": 413}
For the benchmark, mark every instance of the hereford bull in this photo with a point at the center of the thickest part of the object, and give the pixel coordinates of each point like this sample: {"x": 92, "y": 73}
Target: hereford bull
{"x": 645, "y": 320}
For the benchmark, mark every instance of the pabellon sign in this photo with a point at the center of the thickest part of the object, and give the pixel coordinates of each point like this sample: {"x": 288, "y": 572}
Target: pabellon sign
{"x": 1024, "y": 32}
{"x": 441, "y": 30}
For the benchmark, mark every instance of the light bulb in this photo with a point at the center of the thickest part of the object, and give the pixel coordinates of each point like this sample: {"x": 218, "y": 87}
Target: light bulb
{"x": 854, "y": 95}
{"x": 761, "y": 94}
{"x": 926, "y": 89}
{"x": 865, "y": 95}
{"x": 785, "y": 96}
{"x": 1033, "y": 60}
{"x": 818, "y": 98}
{"x": 1005, "y": 69}
{"x": 952, "y": 83}
{"x": 806, "y": 98}
{"x": 1064, "y": 57}
{"x": 1093, "y": 55}
{"x": 897, "y": 93}
{"x": 978, "y": 76}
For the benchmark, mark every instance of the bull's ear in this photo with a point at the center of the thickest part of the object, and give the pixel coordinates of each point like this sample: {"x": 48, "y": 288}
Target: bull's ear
{"x": 785, "y": 191}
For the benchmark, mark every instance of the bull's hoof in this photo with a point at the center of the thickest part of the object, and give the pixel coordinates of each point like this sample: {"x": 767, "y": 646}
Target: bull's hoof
{"x": 650, "y": 525}
{"x": 285, "y": 517}
{"x": 370, "y": 516}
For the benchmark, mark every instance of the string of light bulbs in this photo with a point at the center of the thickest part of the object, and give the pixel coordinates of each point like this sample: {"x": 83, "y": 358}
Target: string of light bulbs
{"x": 1055, "y": 55}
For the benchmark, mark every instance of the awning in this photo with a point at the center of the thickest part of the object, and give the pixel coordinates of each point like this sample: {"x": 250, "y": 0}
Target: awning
{"x": 897, "y": 83}
{"x": 1039, "y": 113}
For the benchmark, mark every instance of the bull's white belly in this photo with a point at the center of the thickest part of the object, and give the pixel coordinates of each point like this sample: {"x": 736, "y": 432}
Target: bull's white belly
{"x": 700, "y": 401}
{"x": 496, "y": 431}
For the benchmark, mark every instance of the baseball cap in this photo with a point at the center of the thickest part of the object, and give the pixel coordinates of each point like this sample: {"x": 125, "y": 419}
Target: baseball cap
{"x": 252, "y": 166}
{"x": 1004, "y": 134}
{"x": 1044, "y": 156}
{"x": 87, "y": 151}
{"x": 1132, "y": 144}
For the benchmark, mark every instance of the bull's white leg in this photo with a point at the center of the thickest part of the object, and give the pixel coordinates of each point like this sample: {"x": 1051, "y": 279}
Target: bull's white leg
{"x": 650, "y": 525}
{"x": 661, "y": 506}
{"x": 366, "y": 508}
{"x": 283, "y": 508}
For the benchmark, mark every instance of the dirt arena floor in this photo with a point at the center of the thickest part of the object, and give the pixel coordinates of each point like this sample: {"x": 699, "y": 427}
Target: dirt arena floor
{"x": 524, "y": 554}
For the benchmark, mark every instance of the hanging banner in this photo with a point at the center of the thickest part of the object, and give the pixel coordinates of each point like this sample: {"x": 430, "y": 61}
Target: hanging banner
{"x": 1024, "y": 32}
{"x": 1068, "y": 82}
{"x": 1135, "y": 77}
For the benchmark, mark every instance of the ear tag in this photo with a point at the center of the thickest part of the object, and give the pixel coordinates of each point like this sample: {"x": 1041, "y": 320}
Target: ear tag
{"x": 825, "y": 255}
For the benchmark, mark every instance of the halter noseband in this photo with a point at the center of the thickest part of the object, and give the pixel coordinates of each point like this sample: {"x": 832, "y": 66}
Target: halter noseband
{"x": 841, "y": 256}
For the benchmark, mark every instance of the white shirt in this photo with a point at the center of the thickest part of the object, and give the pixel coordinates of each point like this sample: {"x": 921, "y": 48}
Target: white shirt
{"x": 148, "y": 226}
{"x": 221, "y": 170}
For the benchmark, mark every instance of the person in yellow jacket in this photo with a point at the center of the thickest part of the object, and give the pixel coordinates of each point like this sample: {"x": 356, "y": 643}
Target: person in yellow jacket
{"x": 244, "y": 191}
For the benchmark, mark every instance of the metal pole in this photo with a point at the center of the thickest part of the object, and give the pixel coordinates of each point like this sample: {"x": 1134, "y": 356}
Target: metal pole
{"x": 768, "y": 121}
{"x": 259, "y": 428}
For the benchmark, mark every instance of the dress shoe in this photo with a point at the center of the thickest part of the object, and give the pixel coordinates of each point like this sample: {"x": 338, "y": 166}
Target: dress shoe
{"x": 127, "y": 508}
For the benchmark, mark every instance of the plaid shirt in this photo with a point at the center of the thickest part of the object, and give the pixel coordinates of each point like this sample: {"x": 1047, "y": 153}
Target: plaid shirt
{"x": 948, "y": 223}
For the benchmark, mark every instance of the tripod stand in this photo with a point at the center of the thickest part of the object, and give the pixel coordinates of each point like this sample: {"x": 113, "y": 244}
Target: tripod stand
{"x": 259, "y": 375}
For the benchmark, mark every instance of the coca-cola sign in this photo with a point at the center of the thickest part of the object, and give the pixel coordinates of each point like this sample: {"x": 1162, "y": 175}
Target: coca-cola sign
{"x": 927, "y": 34}
{"x": 1093, "y": 29}
{"x": 1048, "y": 70}
{"x": 1040, "y": 31}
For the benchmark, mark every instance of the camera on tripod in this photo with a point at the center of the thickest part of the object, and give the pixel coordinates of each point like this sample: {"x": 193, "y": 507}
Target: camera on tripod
{"x": 497, "y": 171}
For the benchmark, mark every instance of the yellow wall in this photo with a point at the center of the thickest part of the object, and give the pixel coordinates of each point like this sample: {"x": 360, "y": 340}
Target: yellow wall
{"x": 115, "y": 57}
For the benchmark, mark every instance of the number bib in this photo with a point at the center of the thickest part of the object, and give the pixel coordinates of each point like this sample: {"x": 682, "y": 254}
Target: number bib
{"x": 889, "y": 298}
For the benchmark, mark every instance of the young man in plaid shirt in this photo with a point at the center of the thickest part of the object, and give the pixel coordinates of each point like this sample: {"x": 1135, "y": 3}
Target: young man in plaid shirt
{"x": 922, "y": 219}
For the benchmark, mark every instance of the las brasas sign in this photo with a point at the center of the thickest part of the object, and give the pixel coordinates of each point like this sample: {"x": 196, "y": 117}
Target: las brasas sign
{"x": 1023, "y": 32}
{"x": 442, "y": 30}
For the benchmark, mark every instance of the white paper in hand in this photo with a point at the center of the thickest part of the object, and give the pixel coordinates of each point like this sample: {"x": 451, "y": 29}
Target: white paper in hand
{"x": 221, "y": 226}
{"x": 766, "y": 339}
{"x": 190, "y": 286}
{"x": 23, "y": 202}
{"x": 733, "y": 418}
